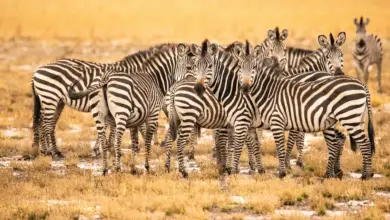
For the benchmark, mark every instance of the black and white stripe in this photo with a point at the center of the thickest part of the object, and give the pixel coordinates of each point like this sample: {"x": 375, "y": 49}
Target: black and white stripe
{"x": 286, "y": 104}
{"x": 133, "y": 99}
{"x": 367, "y": 51}
{"x": 51, "y": 82}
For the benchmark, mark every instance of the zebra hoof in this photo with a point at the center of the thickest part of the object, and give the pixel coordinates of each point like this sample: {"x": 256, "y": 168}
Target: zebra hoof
{"x": 45, "y": 152}
{"x": 118, "y": 169}
{"x": 162, "y": 144}
{"x": 300, "y": 164}
{"x": 367, "y": 176}
{"x": 191, "y": 157}
{"x": 261, "y": 171}
{"x": 282, "y": 174}
{"x": 105, "y": 172}
{"x": 339, "y": 174}
{"x": 147, "y": 167}
{"x": 58, "y": 156}
{"x": 184, "y": 174}
{"x": 229, "y": 170}
{"x": 252, "y": 172}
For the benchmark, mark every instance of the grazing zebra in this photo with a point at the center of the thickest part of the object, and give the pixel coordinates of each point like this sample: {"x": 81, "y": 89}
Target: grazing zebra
{"x": 217, "y": 103}
{"x": 286, "y": 104}
{"x": 329, "y": 58}
{"x": 50, "y": 83}
{"x": 133, "y": 99}
{"x": 367, "y": 51}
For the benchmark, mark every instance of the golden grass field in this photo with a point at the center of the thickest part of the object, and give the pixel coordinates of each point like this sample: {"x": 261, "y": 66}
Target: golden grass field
{"x": 36, "y": 32}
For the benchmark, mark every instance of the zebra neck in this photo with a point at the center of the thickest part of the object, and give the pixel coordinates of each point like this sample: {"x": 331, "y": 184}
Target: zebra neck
{"x": 225, "y": 81}
{"x": 265, "y": 85}
{"x": 161, "y": 70}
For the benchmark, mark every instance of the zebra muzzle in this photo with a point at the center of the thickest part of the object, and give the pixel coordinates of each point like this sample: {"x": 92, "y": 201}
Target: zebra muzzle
{"x": 338, "y": 72}
{"x": 199, "y": 89}
{"x": 245, "y": 88}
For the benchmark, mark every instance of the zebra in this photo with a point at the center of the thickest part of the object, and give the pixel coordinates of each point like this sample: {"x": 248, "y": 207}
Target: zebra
{"x": 367, "y": 51}
{"x": 286, "y": 104}
{"x": 49, "y": 86}
{"x": 295, "y": 55}
{"x": 133, "y": 99}
{"x": 328, "y": 58}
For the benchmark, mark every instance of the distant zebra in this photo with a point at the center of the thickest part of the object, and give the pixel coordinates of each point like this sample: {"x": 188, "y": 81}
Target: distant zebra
{"x": 367, "y": 51}
{"x": 286, "y": 104}
{"x": 329, "y": 58}
{"x": 133, "y": 99}
{"x": 50, "y": 84}
{"x": 217, "y": 103}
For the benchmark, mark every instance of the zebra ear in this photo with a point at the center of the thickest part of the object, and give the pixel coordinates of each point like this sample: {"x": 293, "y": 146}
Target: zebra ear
{"x": 282, "y": 63}
{"x": 257, "y": 51}
{"x": 284, "y": 34}
{"x": 195, "y": 49}
{"x": 367, "y": 21}
{"x": 213, "y": 49}
{"x": 182, "y": 49}
{"x": 271, "y": 35}
{"x": 355, "y": 21}
{"x": 323, "y": 41}
{"x": 341, "y": 39}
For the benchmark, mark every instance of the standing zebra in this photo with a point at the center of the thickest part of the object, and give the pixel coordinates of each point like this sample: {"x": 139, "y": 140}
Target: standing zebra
{"x": 51, "y": 82}
{"x": 367, "y": 51}
{"x": 217, "y": 103}
{"x": 133, "y": 99}
{"x": 286, "y": 104}
{"x": 329, "y": 58}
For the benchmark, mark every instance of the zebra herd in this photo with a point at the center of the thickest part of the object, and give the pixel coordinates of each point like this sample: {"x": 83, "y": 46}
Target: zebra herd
{"x": 233, "y": 90}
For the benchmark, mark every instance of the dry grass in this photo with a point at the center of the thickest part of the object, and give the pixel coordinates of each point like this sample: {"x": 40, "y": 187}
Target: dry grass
{"x": 88, "y": 30}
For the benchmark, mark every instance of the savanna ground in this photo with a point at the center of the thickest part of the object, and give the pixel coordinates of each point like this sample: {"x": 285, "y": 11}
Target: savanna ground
{"x": 36, "y": 32}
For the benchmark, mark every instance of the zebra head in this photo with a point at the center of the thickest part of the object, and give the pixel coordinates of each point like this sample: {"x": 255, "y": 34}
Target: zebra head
{"x": 204, "y": 66}
{"x": 277, "y": 47}
{"x": 333, "y": 54}
{"x": 236, "y": 49}
{"x": 361, "y": 29}
{"x": 247, "y": 70}
{"x": 185, "y": 61}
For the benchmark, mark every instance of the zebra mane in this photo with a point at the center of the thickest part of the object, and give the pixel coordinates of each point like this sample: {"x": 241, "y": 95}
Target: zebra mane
{"x": 247, "y": 49}
{"x": 277, "y": 33}
{"x": 331, "y": 39}
{"x": 204, "y": 47}
{"x": 231, "y": 46}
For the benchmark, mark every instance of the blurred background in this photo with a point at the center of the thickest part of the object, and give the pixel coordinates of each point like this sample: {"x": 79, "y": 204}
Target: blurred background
{"x": 185, "y": 20}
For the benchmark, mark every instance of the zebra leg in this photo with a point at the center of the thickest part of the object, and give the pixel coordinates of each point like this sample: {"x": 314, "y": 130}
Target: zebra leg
{"x": 150, "y": 129}
{"x": 186, "y": 129}
{"x": 120, "y": 129}
{"x": 193, "y": 142}
{"x": 333, "y": 151}
{"x": 292, "y": 137}
{"x": 278, "y": 133}
{"x": 111, "y": 137}
{"x": 240, "y": 134}
{"x": 379, "y": 72}
{"x": 42, "y": 138}
{"x": 230, "y": 151}
{"x": 134, "y": 147}
{"x": 340, "y": 141}
{"x": 300, "y": 140}
{"x": 155, "y": 136}
{"x": 215, "y": 155}
{"x": 366, "y": 75}
{"x": 357, "y": 73}
{"x": 254, "y": 143}
{"x": 220, "y": 149}
{"x": 358, "y": 135}
{"x": 168, "y": 145}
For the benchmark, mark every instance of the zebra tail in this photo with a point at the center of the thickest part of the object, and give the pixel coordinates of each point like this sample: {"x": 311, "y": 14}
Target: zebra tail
{"x": 371, "y": 133}
{"x": 198, "y": 130}
{"x": 37, "y": 109}
{"x": 172, "y": 116}
{"x": 353, "y": 144}
{"x": 81, "y": 94}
